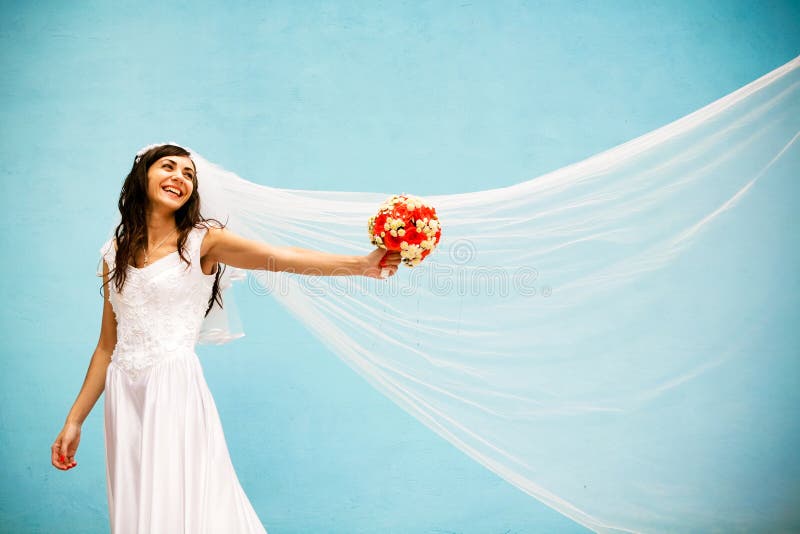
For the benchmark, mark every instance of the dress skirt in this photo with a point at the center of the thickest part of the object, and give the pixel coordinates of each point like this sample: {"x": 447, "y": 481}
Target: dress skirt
{"x": 167, "y": 463}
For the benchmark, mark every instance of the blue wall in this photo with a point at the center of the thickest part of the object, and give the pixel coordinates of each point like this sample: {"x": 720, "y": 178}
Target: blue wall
{"x": 435, "y": 97}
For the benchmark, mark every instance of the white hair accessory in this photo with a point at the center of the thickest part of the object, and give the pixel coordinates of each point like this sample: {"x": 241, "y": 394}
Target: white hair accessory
{"x": 150, "y": 147}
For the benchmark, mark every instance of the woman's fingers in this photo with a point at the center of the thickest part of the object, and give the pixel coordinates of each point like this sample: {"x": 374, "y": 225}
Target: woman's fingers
{"x": 387, "y": 263}
{"x": 54, "y": 456}
{"x": 63, "y": 453}
{"x": 69, "y": 456}
{"x": 391, "y": 259}
{"x": 61, "y": 458}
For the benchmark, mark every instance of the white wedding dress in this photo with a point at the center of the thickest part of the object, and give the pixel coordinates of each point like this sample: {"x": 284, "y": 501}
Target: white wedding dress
{"x": 167, "y": 463}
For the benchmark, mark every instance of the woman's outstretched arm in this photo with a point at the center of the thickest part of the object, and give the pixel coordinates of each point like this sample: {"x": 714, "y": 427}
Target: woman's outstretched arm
{"x": 66, "y": 444}
{"x": 224, "y": 246}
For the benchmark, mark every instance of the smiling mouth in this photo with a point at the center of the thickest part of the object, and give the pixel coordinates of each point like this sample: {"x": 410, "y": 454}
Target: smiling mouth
{"x": 172, "y": 192}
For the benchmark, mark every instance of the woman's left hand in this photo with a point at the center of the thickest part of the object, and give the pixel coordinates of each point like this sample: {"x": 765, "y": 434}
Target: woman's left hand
{"x": 380, "y": 259}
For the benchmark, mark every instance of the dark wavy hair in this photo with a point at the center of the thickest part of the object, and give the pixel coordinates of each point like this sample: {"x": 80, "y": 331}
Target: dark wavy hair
{"x": 131, "y": 232}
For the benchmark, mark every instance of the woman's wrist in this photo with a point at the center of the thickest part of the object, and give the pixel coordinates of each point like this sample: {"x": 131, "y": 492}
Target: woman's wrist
{"x": 362, "y": 265}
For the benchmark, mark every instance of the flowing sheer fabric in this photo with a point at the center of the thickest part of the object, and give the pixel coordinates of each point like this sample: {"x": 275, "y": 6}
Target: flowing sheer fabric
{"x": 613, "y": 338}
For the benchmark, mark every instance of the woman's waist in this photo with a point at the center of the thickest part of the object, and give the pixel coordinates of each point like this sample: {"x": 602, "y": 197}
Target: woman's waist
{"x": 135, "y": 361}
{"x": 152, "y": 353}
{"x": 153, "y": 341}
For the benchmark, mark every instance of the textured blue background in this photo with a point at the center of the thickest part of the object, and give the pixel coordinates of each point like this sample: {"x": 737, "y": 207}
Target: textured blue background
{"x": 440, "y": 97}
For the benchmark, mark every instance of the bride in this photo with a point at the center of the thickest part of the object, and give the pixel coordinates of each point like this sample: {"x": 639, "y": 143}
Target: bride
{"x": 167, "y": 463}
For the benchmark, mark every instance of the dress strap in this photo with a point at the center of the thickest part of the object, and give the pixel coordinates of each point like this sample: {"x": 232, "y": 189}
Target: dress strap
{"x": 194, "y": 243}
{"x": 195, "y": 240}
{"x": 108, "y": 253}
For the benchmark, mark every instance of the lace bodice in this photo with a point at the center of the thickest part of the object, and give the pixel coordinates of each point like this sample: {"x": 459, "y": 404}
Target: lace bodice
{"x": 161, "y": 308}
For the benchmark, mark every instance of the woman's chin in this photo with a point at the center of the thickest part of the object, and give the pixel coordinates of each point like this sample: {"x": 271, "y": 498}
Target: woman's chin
{"x": 166, "y": 205}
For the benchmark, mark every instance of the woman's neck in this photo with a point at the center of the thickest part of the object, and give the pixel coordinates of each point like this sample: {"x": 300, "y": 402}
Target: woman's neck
{"x": 159, "y": 225}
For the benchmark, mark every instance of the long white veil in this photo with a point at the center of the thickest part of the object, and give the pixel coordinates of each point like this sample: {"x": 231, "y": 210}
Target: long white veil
{"x": 613, "y": 338}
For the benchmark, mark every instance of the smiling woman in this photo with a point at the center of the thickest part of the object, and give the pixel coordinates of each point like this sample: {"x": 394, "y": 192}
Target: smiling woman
{"x": 168, "y": 466}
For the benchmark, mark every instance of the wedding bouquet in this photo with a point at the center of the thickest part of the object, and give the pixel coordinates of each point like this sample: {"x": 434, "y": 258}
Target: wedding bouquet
{"x": 408, "y": 225}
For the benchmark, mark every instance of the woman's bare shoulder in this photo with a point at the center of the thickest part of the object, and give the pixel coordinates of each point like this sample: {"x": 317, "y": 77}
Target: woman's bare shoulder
{"x": 212, "y": 235}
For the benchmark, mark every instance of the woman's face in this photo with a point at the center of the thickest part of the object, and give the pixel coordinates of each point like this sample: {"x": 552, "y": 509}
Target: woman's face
{"x": 170, "y": 182}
